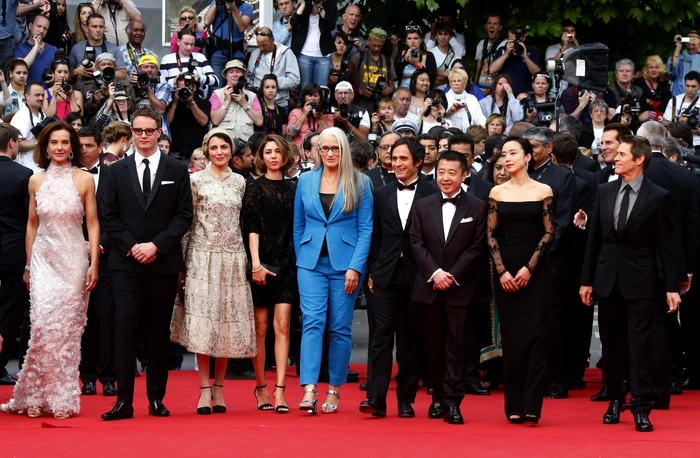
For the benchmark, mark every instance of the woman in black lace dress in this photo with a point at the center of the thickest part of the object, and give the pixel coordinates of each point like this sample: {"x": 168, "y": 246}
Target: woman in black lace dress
{"x": 268, "y": 216}
{"x": 520, "y": 231}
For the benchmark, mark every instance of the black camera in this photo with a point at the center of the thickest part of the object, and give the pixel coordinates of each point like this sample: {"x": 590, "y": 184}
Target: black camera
{"x": 378, "y": 90}
{"x": 239, "y": 86}
{"x": 119, "y": 86}
{"x": 545, "y": 110}
{"x": 66, "y": 87}
{"x": 518, "y": 47}
{"x": 108, "y": 75}
{"x": 188, "y": 79}
{"x": 314, "y": 106}
{"x": 692, "y": 119}
{"x": 38, "y": 127}
{"x": 631, "y": 105}
{"x": 142, "y": 79}
{"x": 414, "y": 53}
{"x": 88, "y": 57}
{"x": 343, "y": 110}
{"x": 184, "y": 93}
{"x": 192, "y": 65}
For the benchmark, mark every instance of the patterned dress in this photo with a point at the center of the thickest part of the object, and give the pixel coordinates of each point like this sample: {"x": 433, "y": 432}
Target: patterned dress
{"x": 217, "y": 316}
{"x": 49, "y": 376}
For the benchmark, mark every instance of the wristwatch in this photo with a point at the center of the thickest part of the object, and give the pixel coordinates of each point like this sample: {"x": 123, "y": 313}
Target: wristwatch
{"x": 247, "y": 109}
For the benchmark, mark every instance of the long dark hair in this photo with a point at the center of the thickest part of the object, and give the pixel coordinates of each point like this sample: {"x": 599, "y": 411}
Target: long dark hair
{"x": 261, "y": 93}
{"x": 414, "y": 79}
{"x": 41, "y": 149}
{"x": 488, "y": 173}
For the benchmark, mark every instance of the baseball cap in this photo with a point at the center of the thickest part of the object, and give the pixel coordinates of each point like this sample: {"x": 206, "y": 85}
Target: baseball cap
{"x": 343, "y": 86}
{"x": 404, "y": 125}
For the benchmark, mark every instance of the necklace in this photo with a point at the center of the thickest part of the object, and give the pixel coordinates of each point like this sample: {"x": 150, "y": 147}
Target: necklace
{"x": 330, "y": 183}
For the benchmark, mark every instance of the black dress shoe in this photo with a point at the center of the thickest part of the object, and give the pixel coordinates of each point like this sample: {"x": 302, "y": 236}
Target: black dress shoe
{"x": 8, "y": 380}
{"x": 454, "y": 416}
{"x": 476, "y": 388}
{"x": 363, "y": 387}
{"x": 612, "y": 415}
{"x": 373, "y": 406}
{"x": 157, "y": 409}
{"x": 556, "y": 393}
{"x": 603, "y": 395}
{"x": 436, "y": 411}
{"x": 121, "y": 411}
{"x": 676, "y": 388}
{"x": 406, "y": 410}
{"x": 88, "y": 389}
{"x": 108, "y": 389}
{"x": 353, "y": 377}
{"x": 642, "y": 423}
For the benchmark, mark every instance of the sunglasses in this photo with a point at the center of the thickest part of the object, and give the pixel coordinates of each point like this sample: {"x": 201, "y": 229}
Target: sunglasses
{"x": 412, "y": 28}
{"x": 263, "y": 34}
{"x": 80, "y": 5}
{"x": 187, "y": 18}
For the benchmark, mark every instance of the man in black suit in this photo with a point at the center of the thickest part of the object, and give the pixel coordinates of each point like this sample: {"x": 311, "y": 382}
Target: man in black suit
{"x": 682, "y": 187}
{"x": 392, "y": 270}
{"x": 448, "y": 237}
{"x": 430, "y": 145}
{"x": 14, "y": 211}
{"x": 146, "y": 211}
{"x": 630, "y": 266}
{"x": 383, "y": 173}
{"x": 610, "y": 142}
{"x": 97, "y": 348}
{"x": 579, "y": 325}
{"x": 477, "y": 187}
{"x": 569, "y": 125}
{"x": 563, "y": 184}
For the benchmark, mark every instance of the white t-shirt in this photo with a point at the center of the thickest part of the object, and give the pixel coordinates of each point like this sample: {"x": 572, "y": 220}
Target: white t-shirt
{"x": 457, "y": 42}
{"x": 441, "y": 59}
{"x": 24, "y": 120}
{"x": 312, "y": 45}
{"x": 480, "y": 48}
{"x": 681, "y": 106}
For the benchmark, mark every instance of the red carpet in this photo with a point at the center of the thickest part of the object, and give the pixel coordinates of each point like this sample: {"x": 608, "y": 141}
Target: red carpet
{"x": 571, "y": 427}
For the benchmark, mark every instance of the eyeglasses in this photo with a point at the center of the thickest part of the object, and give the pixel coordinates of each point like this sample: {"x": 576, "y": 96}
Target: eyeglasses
{"x": 139, "y": 132}
{"x": 327, "y": 149}
{"x": 263, "y": 34}
{"x": 536, "y": 145}
{"x": 187, "y": 18}
{"x": 202, "y": 159}
{"x": 384, "y": 147}
{"x": 412, "y": 28}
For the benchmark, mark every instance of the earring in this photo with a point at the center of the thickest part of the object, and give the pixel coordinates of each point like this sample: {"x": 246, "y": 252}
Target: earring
{"x": 70, "y": 156}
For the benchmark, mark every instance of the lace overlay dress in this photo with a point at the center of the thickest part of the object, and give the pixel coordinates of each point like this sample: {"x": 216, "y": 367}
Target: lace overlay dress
{"x": 217, "y": 316}
{"x": 49, "y": 376}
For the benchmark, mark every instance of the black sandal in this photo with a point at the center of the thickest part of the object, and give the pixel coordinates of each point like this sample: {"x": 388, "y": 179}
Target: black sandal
{"x": 282, "y": 408}
{"x": 203, "y": 410}
{"x": 218, "y": 408}
{"x": 267, "y": 405}
{"x": 531, "y": 420}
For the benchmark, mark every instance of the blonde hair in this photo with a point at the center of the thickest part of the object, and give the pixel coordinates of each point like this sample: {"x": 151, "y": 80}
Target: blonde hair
{"x": 189, "y": 9}
{"x": 496, "y": 117}
{"x": 458, "y": 72}
{"x": 350, "y": 181}
{"x": 196, "y": 153}
{"x": 659, "y": 63}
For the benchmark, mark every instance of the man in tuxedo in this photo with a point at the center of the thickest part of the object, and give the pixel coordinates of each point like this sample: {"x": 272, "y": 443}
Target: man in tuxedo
{"x": 610, "y": 142}
{"x": 392, "y": 270}
{"x": 448, "y": 236}
{"x": 97, "y": 348}
{"x": 146, "y": 211}
{"x": 630, "y": 266}
{"x": 682, "y": 186}
{"x": 14, "y": 212}
{"x": 430, "y": 146}
{"x": 477, "y": 187}
{"x": 383, "y": 173}
{"x": 563, "y": 184}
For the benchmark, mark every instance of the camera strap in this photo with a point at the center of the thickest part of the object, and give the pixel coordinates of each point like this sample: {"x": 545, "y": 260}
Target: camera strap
{"x": 272, "y": 61}
{"x": 112, "y": 17}
{"x": 681, "y": 111}
{"x": 383, "y": 66}
{"x": 42, "y": 116}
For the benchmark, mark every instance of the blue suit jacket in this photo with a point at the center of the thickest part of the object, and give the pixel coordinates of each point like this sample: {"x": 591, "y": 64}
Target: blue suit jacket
{"x": 348, "y": 235}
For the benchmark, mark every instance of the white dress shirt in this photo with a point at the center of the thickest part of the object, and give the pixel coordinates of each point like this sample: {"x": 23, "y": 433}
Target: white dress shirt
{"x": 448, "y": 214}
{"x": 404, "y": 200}
{"x": 95, "y": 176}
{"x": 153, "y": 162}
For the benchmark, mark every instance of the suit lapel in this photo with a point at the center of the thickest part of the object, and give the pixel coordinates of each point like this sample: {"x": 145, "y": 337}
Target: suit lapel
{"x": 316, "y": 187}
{"x": 460, "y": 211}
{"x": 101, "y": 183}
{"x": 393, "y": 200}
{"x": 607, "y": 208}
{"x": 338, "y": 204}
{"x": 638, "y": 205}
{"x": 436, "y": 211}
{"x": 131, "y": 165}
{"x": 157, "y": 179}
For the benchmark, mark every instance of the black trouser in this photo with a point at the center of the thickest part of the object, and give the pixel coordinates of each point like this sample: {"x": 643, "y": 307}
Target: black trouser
{"x": 97, "y": 348}
{"x": 578, "y": 332}
{"x": 556, "y": 331}
{"x": 14, "y": 301}
{"x": 394, "y": 313}
{"x": 154, "y": 295}
{"x": 445, "y": 346}
{"x": 690, "y": 330}
{"x": 661, "y": 326}
{"x": 626, "y": 336}
{"x": 369, "y": 299}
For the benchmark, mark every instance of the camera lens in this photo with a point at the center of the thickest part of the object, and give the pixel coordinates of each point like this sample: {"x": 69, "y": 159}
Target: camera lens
{"x": 185, "y": 93}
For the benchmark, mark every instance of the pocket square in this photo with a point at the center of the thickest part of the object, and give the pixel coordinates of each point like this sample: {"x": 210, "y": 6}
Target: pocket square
{"x": 167, "y": 182}
{"x": 467, "y": 220}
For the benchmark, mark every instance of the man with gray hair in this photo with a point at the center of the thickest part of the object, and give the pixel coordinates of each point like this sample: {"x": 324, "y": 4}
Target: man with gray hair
{"x": 275, "y": 58}
{"x": 673, "y": 150}
{"x": 569, "y": 125}
{"x": 563, "y": 184}
{"x": 625, "y": 95}
{"x": 684, "y": 190}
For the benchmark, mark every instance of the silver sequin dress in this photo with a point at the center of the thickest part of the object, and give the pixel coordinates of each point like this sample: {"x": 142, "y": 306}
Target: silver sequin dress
{"x": 217, "y": 317}
{"x": 59, "y": 263}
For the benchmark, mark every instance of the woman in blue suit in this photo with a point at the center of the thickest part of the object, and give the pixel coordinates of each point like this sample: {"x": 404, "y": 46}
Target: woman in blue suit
{"x": 332, "y": 233}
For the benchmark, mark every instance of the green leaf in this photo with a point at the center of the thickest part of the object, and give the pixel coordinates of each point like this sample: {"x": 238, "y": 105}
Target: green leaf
{"x": 636, "y": 14}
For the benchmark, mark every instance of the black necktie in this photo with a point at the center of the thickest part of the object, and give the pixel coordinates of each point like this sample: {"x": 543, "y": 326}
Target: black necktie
{"x": 451, "y": 200}
{"x": 146, "y": 181}
{"x": 624, "y": 205}
{"x": 410, "y": 187}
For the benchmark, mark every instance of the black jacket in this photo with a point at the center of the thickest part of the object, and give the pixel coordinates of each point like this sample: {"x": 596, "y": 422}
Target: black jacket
{"x": 585, "y": 163}
{"x": 300, "y": 29}
{"x": 379, "y": 176}
{"x": 14, "y": 213}
{"x": 105, "y": 244}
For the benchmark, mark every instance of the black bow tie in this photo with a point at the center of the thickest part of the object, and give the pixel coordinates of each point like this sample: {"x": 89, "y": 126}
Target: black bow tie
{"x": 93, "y": 170}
{"x": 453, "y": 200}
{"x": 410, "y": 187}
{"x": 468, "y": 181}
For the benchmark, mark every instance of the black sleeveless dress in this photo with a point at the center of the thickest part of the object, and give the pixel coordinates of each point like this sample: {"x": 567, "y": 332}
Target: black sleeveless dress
{"x": 520, "y": 234}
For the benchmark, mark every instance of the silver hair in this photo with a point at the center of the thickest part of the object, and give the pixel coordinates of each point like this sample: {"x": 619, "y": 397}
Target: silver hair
{"x": 654, "y": 132}
{"x": 541, "y": 134}
{"x": 622, "y": 62}
{"x": 599, "y": 103}
{"x": 350, "y": 181}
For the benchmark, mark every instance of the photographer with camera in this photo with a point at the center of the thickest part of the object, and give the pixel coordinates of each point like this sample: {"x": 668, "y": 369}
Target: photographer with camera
{"x": 383, "y": 119}
{"x": 463, "y": 109}
{"x": 373, "y": 72}
{"x": 26, "y": 119}
{"x": 83, "y": 54}
{"x": 683, "y": 60}
{"x": 61, "y": 99}
{"x": 434, "y": 109}
{"x": 312, "y": 42}
{"x": 555, "y": 51}
{"x": 134, "y": 50}
{"x": 117, "y": 108}
{"x": 414, "y": 58}
{"x": 516, "y": 61}
{"x": 148, "y": 88}
{"x": 186, "y": 60}
{"x": 282, "y": 29}
{"x": 624, "y": 99}
{"x": 231, "y": 105}
{"x": 120, "y": 12}
{"x": 685, "y": 108}
{"x": 34, "y": 51}
{"x": 273, "y": 58}
{"x": 188, "y": 116}
{"x": 229, "y": 20}
{"x": 313, "y": 116}
{"x": 349, "y": 117}
{"x": 538, "y": 106}
{"x": 351, "y": 28}
{"x": 445, "y": 53}
{"x": 340, "y": 62}
{"x": 96, "y": 91}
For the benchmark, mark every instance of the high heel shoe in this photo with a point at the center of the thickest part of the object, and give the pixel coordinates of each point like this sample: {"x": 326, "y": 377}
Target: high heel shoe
{"x": 280, "y": 408}
{"x": 531, "y": 420}
{"x": 61, "y": 415}
{"x": 309, "y": 405}
{"x": 219, "y": 408}
{"x": 34, "y": 412}
{"x": 203, "y": 410}
{"x": 267, "y": 405}
{"x": 330, "y": 408}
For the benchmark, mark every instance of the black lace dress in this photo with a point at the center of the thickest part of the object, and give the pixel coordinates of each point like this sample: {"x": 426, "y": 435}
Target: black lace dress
{"x": 268, "y": 210}
{"x": 519, "y": 234}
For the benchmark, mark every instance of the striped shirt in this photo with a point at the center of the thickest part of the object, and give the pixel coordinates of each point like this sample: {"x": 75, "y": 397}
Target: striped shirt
{"x": 171, "y": 67}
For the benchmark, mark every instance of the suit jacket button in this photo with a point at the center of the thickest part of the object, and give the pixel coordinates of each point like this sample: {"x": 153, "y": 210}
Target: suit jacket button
{"x": 325, "y": 224}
